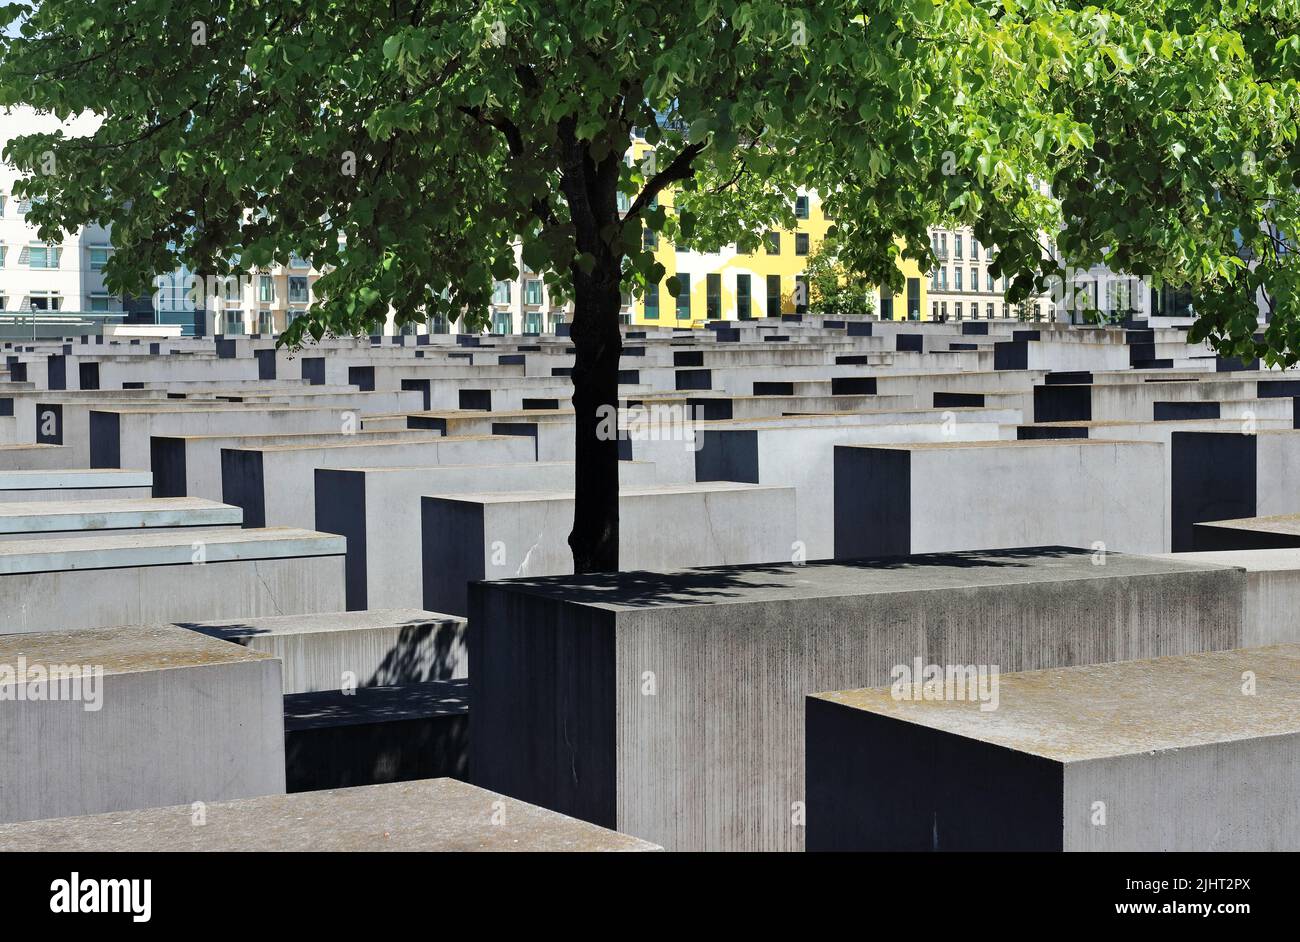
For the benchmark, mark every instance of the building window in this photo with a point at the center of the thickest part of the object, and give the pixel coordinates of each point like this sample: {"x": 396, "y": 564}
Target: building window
{"x": 989, "y": 311}
{"x": 943, "y": 278}
{"x": 265, "y": 322}
{"x": 773, "y": 295}
{"x": 234, "y": 322}
{"x": 886, "y": 304}
{"x": 956, "y": 275}
{"x": 502, "y": 322}
{"x": 934, "y": 310}
{"x": 533, "y": 292}
{"x": 649, "y": 239}
{"x": 801, "y": 243}
{"x": 265, "y": 289}
{"x": 774, "y": 243}
{"x": 800, "y": 294}
{"x": 934, "y": 280}
{"x": 974, "y": 278}
{"x": 98, "y": 257}
{"x": 683, "y": 297}
{"x": 44, "y": 301}
{"x": 652, "y": 302}
{"x": 3, "y": 200}
{"x": 533, "y": 322}
{"x": 744, "y": 302}
{"x": 801, "y": 207}
{"x": 957, "y": 241}
{"x": 556, "y": 318}
{"x": 102, "y": 303}
{"x": 3, "y": 250}
{"x": 298, "y": 293}
{"x": 501, "y": 292}
{"x": 974, "y": 249}
{"x": 297, "y": 261}
{"x": 988, "y": 280}
{"x": 943, "y": 310}
{"x": 42, "y": 256}
{"x": 914, "y": 299}
{"x": 713, "y": 296}
{"x": 956, "y": 310}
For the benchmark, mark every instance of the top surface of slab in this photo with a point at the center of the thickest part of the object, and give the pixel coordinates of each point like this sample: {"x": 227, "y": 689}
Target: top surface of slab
{"x": 116, "y": 512}
{"x": 642, "y": 490}
{"x": 124, "y": 650}
{"x": 1254, "y": 560}
{"x": 322, "y": 622}
{"x": 160, "y": 548}
{"x": 78, "y": 477}
{"x": 1077, "y": 714}
{"x": 429, "y": 815}
{"x": 718, "y": 585}
{"x": 1279, "y": 523}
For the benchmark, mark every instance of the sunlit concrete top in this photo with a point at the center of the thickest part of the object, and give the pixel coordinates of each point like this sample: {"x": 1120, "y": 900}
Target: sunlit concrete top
{"x": 164, "y": 549}
{"x": 1252, "y": 560}
{"x": 429, "y": 815}
{"x": 720, "y": 585}
{"x": 1080, "y": 713}
{"x": 124, "y": 650}
{"x": 80, "y": 477}
{"x": 48, "y": 516}
{"x": 315, "y": 623}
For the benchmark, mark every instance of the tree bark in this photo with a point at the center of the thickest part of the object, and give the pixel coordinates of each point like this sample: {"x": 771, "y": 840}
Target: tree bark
{"x": 591, "y": 190}
{"x": 599, "y": 345}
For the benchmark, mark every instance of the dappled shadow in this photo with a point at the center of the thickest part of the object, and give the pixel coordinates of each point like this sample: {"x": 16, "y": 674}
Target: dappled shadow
{"x": 719, "y": 584}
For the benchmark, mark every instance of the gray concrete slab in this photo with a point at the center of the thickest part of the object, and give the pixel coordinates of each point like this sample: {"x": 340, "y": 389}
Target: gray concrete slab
{"x": 671, "y": 705}
{"x": 1194, "y": 752}
{"x": 430, "y": 815}
{"x": 164, "y": 716}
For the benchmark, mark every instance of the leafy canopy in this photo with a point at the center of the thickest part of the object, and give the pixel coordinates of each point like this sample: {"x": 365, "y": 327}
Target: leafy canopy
{"x": 404, "y": 144}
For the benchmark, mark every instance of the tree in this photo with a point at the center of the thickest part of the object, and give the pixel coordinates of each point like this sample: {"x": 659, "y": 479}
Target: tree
{"x": 1159, "y": 134}
{"x": 833, "y": 289}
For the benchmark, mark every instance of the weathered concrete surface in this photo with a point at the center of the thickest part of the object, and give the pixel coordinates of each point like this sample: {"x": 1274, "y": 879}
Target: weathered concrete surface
{"x": 156, "y": 578}
{"x": 1180, "y": 754}
{"x": 430, "y": 815}
{"x": 1272, "y": 613}
{"x": 75, "y": 484}
{"x": 671, "y": 705}
{"x": 378, "y": 510}
{"x": 68, "y": 518}
{"x": 931, "y": 498}
{"x": 467, "y": 537}
{"x": 326, "y": 651}
{"x": 181, "y": 718}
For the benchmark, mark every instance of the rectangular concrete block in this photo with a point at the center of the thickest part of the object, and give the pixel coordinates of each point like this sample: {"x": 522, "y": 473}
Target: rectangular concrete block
{"x": 494, "y": 536}
{"x": 157, "y": 578}
{"x": 34, "y": 520}
{"x": 179, "y": 718}
{"x": 670, "y": 705}
{"x": 901, "y": 499}
{"x": 373, "y": 735}
{"x": 1168, "y": 754}
{"x": 430, "y": 815}
{"x": 375, "y": 648}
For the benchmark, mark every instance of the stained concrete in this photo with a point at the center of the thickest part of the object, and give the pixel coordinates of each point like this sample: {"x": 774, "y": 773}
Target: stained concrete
{"x": 430, "y": 815}
{"x": 182, "y": 718}
{"x": 328, "y": 650}
{"x": 1180, "y": 753}
{"x": 712, "y": 759}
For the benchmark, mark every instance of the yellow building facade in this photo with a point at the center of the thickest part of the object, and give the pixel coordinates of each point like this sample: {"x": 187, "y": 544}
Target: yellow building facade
{"x": 730, "y": 285}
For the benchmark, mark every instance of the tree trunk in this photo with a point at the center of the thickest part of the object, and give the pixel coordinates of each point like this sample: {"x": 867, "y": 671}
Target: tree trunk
{"x": 591, "y": 191}
{"x": 599, "y": 345}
